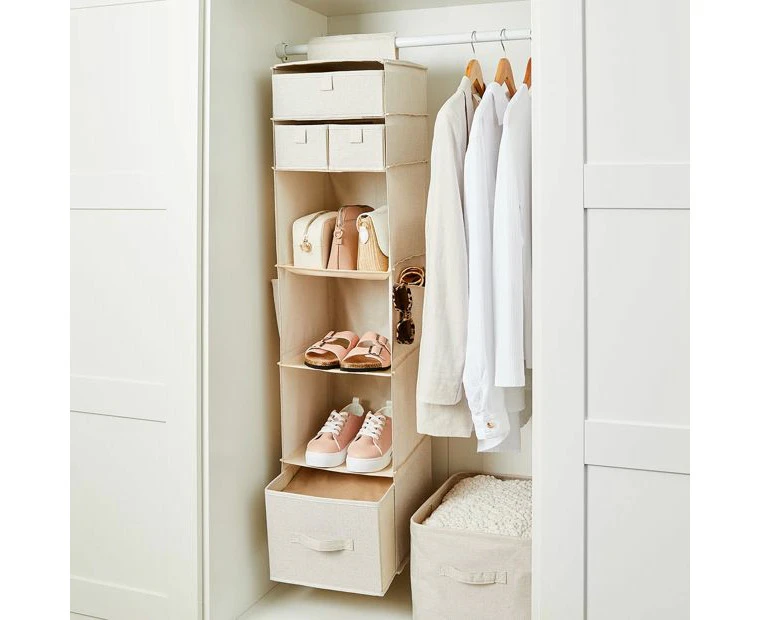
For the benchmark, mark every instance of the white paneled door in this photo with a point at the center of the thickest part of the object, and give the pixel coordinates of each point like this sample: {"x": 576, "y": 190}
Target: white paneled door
{"x": 135, "y": 507}
{"x": 611, "y": 375}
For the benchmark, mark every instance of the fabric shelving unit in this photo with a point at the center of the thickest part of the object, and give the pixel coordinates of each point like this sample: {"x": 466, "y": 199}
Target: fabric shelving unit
{"x": 347, "y": 132}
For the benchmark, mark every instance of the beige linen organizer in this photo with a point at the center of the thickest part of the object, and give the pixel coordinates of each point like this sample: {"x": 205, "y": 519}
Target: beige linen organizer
{"x": 347, "y": 132}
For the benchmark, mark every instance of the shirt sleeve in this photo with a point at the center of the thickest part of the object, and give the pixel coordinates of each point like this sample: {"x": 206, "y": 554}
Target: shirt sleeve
{"x": 476, "y": 206}
{"x": 444, "y": 316}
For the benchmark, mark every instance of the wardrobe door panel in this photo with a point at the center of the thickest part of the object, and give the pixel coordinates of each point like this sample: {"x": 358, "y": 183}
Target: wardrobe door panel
{"x": 638, "y": 545}
{"x": 118, "y": 303}
{"x": 135, "y": 215}
{"x": 119, "y": 490}
{"x": 637, "y": 91}
{"x": 120, "y": 93}
{"x": 636, "y": 200}
{"x": 638, "y": 316}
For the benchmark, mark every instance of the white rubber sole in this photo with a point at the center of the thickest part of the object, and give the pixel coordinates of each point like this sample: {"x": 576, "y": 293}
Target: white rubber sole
{"x": 326, "y": 459}
{"x": 366, "y": 466}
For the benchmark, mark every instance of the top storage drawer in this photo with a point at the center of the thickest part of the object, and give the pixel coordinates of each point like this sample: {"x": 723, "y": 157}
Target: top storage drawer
{"x": 342, "y": 94}
{"x": 347, "y": 90}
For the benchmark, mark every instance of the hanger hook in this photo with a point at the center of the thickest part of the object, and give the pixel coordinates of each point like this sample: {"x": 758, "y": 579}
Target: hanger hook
{"x": 501, "y": 39}
{"x": 472, "y": 42}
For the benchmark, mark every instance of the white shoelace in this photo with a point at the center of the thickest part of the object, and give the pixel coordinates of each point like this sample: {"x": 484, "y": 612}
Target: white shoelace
{"x": 335, "y": 422}
{"x": 373, "y": 426}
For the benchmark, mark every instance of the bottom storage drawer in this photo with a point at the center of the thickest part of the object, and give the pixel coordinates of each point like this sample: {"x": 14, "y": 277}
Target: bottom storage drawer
{"x": 330, "y": 530}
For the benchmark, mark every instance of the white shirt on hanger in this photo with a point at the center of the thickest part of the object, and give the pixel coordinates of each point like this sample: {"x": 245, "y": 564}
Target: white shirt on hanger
{"x": 495, "y": 410}
{"x": 512, "y": 246}
{"x": 441, "y": 406}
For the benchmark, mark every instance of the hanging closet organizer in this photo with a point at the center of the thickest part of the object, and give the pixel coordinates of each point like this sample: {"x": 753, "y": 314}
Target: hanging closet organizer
{"x": 352, "y": 132}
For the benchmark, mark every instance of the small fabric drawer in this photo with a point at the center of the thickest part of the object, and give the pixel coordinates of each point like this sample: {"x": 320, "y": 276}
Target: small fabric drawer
{"x": 357, "y": 147}
{"x": 337, "y": 94}
{"x": 321, "y": 536}
{"x": 463, "y": 574}
{"x": 300, "y": 147}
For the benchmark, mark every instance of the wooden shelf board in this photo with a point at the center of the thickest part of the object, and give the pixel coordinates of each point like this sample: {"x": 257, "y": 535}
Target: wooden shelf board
{"x": 299, "y": 458}
{"x": 337, "y": 273}
{"x": 298, "y": 364}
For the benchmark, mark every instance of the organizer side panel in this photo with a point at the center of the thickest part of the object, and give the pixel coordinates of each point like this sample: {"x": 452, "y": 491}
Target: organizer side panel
{"x": 413, "y": 484}
{"x": 403, "y": 390}
{"x": 387, "y": 535}
{"x": 405, "y": 140}
{"x": 407, "y": 199}
{"x": 405, "y": 90}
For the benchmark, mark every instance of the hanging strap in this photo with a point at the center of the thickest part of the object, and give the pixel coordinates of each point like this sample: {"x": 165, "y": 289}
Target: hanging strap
{"x": 474, "y": 578}
{"x": 338, "y": 544}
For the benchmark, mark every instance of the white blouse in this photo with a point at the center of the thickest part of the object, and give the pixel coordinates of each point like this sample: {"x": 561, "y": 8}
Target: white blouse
{"x": 495, "y": 410}
{"x": 512, "y": 246}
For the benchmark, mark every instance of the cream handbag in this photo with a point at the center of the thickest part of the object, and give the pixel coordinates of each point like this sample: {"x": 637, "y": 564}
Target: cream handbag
{"x": 312, "y": 238}
{"x": 373, "y": 240}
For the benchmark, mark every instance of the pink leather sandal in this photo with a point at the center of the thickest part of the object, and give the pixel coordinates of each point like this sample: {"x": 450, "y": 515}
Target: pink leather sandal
{"x": 330, "y": 351}
{"x": 373, "y": 352}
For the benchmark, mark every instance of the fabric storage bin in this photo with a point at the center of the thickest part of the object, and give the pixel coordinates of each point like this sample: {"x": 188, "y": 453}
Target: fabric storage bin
{"x": 348, "y": 89}
{"x": 333, "y": 94}
{"x": 331, "y": 530}
{"x": 462, "y": 574}
{"x": 356, "y": 147}
{"x": 300, "y": 147}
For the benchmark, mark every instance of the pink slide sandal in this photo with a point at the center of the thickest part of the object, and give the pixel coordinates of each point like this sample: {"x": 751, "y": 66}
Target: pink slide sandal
{"x": 330, "y": 351}
{"x": 372, "y": 353}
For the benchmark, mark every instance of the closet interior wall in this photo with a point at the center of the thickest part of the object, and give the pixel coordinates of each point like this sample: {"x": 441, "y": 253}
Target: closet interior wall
{"x": 241, "y": 379}
{"x": 446, "y": 65}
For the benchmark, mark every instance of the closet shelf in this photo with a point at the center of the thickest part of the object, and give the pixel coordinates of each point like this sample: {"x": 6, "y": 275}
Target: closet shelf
{"x": 337, "y": 273}
{"x": 297, "y": 363}
{"x": 299, "y": 458}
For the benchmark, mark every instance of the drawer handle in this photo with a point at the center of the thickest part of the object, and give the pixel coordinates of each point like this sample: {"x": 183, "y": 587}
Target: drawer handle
{"x": 326, "y": 82}
{"x": 356, "y": 136}
{"x": 337, "y": 544}
{"x": 484, "y": 578}
{"x": 299, "y": 136}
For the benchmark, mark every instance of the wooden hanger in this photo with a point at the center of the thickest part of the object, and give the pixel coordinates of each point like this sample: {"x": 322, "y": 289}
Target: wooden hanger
{"x": 474, "y": 71}
{"x": 526, "y": 79}
{"x": 504, "y": 74}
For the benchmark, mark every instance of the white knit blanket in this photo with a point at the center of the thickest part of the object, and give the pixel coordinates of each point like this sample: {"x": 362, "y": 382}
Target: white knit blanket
{"x": 487, "y": 504}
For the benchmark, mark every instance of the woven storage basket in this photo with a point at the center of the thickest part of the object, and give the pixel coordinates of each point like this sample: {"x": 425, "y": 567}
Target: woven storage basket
{"x": 460, "y": 574}
{"x": 370, "y": 256}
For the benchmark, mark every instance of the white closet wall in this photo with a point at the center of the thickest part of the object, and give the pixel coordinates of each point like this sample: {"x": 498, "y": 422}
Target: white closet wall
{"x": 446, "y": 66}
{"x": 242, "y": 408}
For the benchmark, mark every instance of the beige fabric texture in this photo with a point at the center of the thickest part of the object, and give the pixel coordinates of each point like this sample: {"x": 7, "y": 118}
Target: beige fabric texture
{"x": 330, "y": 485}
{"x": 457, "y": 574}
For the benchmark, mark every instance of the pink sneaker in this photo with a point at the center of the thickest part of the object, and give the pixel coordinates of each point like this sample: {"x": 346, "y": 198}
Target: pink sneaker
{"x": 329, "y": 447}
{"x": 371, "y": 450}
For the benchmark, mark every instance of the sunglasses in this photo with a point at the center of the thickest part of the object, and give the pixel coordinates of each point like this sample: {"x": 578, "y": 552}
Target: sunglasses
{"x": 402, "y": 301}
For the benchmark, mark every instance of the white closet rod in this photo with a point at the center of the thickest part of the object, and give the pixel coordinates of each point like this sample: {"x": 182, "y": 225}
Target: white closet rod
{"x": 283, "y": 50}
